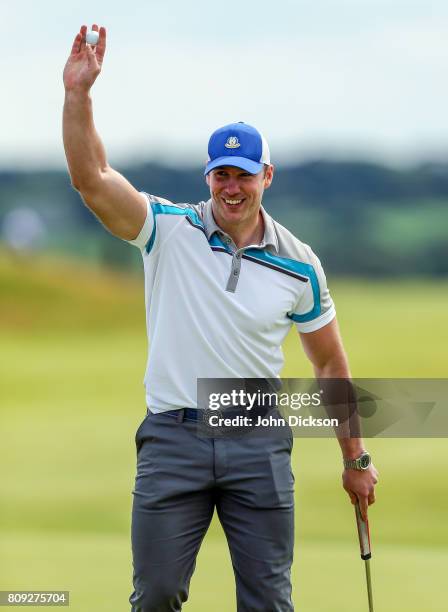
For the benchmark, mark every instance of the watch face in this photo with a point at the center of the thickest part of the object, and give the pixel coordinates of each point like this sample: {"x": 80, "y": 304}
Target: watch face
{"x": 364, "y": 461}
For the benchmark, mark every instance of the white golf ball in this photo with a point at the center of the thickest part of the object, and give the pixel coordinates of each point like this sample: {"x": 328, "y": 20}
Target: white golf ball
{"x": 92, "y": 37}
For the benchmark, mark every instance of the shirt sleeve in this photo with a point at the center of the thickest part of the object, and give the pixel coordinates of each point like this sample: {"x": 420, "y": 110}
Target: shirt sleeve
{"x": 315, "y": 307}
{"x": 147, "y": 226}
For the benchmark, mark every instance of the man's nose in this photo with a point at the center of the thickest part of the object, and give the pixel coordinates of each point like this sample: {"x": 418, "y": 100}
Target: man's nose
{"x": 232, "y": 186}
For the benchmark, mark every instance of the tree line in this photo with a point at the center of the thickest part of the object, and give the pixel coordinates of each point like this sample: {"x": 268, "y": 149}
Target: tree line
{"x": 361, "y": 218}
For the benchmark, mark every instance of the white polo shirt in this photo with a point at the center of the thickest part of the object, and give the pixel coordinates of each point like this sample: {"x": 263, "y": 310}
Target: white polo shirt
{"x": 216, "y": 311}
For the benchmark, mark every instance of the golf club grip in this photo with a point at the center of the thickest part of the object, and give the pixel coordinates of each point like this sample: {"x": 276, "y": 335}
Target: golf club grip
{"x": 363, "y": 534}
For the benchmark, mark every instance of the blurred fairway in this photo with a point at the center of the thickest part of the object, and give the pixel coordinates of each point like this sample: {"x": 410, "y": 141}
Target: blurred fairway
{"x": 73, "y": 350}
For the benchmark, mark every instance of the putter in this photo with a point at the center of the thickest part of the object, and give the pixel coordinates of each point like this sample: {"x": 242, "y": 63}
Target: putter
{"x": 366, "y": 554}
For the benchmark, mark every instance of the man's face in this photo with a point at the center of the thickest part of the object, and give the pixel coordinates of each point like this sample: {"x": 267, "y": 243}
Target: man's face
{"x": 236, "y": 194}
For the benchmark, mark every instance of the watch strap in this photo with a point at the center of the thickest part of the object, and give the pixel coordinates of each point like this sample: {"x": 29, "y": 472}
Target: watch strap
{"x": 357, "y": 464}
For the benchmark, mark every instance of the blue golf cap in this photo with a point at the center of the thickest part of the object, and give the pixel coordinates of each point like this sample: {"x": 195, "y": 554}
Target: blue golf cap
{"x": 239, "y": 145}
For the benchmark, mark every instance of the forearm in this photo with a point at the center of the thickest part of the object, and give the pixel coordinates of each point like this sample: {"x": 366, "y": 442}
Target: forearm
{"x": 105, "y": 191}
{"x": 326, "y": 352}
{"x": 338, "y": 368}
{"x": 85, "y": 153}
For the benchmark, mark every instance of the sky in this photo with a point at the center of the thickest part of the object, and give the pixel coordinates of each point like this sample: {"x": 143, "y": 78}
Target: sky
{"x": 333, "y": 78}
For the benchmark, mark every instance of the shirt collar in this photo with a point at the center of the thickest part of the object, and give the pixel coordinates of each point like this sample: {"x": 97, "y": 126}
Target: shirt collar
{"x": 270, "y": 235}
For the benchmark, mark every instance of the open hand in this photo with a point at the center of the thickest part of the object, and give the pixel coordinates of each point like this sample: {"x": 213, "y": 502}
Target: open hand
{"x": 85, "y": 61}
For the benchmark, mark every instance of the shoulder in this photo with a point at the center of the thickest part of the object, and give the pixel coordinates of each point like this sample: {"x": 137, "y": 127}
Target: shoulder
{"x": 162, "y": 206}
{"x": 163, "y": 215}
{"x": 314, "y": 308}
{"x": 291, "y": 247}
{"x": 157, "y": 202}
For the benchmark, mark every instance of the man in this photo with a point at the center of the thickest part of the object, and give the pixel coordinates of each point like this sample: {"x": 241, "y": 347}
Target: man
{"x": 224, "y": 283}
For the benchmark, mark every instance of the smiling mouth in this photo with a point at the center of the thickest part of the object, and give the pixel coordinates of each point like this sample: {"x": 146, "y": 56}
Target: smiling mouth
{"x": 232, "y": 203}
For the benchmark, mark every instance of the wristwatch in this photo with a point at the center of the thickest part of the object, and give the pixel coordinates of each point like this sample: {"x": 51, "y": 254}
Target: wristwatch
{"x": 361, "y": 463}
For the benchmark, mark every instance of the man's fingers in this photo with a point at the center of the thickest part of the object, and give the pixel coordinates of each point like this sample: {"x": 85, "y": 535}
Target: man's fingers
{"x": 363, "y": 505}
{"x": 101, "y": 46}
{"x": 91, "y": 58}
{"x": 79, "y": 44}
{"x": 83, "y": 32}
{"x": 353, "y": 497}
{"x": 76, "y": 44}
{"x": 94, "y": 29}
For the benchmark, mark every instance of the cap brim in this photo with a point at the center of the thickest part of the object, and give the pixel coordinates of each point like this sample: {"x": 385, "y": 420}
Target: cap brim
{"x": 248, "y": 165}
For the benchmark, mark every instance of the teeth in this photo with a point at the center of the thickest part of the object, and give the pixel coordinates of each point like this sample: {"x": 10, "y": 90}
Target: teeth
{"x": 233, "y": 201}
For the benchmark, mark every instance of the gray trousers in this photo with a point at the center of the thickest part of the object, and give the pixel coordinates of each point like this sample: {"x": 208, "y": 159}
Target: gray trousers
{"x": 181, "y": 478}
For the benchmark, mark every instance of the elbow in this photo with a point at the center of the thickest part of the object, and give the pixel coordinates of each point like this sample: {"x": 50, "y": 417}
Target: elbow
{"x": 80, "y": 184}
{"x": 334, "y": 367}
{"x": 87, "y": 185}
{"x": 75, "y": 184}
{"x": 74, "y": 180}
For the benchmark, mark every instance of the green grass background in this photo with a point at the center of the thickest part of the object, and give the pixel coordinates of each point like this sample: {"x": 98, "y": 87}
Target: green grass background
{"x": 73, "y": 350}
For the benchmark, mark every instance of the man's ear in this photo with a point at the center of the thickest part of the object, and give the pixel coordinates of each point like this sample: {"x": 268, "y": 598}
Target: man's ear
{"x": 268, "y": 176}
{"x": 207, "y": 179}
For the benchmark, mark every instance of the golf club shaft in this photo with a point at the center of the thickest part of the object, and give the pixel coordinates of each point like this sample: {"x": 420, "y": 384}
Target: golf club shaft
{"x": 369, "y": 585}
{"x": 364, "y": 544}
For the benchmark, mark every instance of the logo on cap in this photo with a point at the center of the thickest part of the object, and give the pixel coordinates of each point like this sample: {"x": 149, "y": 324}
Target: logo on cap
{"x": 232, "y": 143}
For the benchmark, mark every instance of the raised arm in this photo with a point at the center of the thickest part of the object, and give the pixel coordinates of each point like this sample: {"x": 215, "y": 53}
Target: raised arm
{"x": 120, "y": 207}
{"x": 325, "y": 351}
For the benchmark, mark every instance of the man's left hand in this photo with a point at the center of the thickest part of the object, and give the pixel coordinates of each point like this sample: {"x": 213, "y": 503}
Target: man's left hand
{"x": 360, "y": 486}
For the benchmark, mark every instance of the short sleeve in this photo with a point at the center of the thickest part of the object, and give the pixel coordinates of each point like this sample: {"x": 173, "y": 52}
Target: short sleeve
{"x": 315, "y": 307}
{"x": 147, "y": 227}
